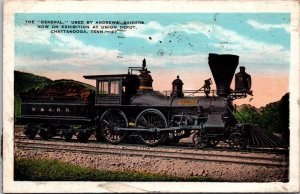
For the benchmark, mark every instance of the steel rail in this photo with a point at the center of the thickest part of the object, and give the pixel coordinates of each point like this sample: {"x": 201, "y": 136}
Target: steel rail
{"x": 185, "y": 146}
{"x": 159, "y": 151}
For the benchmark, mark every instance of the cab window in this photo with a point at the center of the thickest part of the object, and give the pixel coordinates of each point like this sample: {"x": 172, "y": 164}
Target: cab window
{"x": 114, "y": 88}
{"x": 103, "y": 87}
{"x": 109, "y": 87}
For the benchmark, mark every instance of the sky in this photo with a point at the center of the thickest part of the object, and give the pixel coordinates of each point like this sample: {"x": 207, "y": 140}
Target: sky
{"x": 173, "y": 44}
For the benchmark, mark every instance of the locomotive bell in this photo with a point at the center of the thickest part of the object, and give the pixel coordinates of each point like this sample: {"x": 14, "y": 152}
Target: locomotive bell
{"x": 177, "y": 88}
{"x": 145, "y": 79}
{"x": 223, "y": 68}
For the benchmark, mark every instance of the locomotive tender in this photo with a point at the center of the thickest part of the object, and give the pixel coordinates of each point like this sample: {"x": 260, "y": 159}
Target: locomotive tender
{"x": 126, "y": 105}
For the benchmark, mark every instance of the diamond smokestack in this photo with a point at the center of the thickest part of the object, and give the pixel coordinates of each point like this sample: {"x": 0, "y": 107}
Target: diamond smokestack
{"x": 223, "y": 68}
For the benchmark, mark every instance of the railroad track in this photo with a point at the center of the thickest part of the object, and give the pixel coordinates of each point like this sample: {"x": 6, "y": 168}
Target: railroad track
{"x": 197, "y": 156}
{"x": 184, "y": 146}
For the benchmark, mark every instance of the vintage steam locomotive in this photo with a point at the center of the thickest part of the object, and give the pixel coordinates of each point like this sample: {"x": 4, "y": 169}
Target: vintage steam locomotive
{"x": 125, "y": 105}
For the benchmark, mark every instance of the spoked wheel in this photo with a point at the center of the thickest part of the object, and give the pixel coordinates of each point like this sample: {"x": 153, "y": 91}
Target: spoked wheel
{"x": 30, "y": 131}
{"x": 151, "y": 119}
{"x": 236, "y": 141}
{"x": 44, "y": 132}
{"x": 68, "y": 134}
{"x": 213, "y": 142}
{"x": 65, "y": 131}
{"x": 110, "y": 119}
{"x": 200, "y": 140}
{"x": 83, "y": 135}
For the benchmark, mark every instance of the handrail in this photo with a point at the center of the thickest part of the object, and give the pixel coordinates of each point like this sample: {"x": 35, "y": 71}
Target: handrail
{"x": 187, "y": 91}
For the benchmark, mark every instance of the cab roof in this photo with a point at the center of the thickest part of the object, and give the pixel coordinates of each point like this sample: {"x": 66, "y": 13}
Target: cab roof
{"x": 120, "y": 76}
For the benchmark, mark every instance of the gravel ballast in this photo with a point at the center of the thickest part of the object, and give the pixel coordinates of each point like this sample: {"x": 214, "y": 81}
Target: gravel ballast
{"x": 182, "y": 168}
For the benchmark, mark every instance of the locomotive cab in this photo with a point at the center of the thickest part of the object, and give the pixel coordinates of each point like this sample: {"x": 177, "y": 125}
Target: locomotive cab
{"x": 114, "y": 89}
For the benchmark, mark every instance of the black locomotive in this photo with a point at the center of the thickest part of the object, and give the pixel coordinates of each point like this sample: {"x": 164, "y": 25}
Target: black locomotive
{"x": 126, "y": 105}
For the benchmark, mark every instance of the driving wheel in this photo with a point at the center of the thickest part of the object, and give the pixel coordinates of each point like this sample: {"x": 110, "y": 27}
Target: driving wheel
{"x": 151, "y": 119}
{"x": 111, "y": 119}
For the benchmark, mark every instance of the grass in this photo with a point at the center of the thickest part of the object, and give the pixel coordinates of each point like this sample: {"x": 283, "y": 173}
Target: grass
{"x": 53, "y": 170}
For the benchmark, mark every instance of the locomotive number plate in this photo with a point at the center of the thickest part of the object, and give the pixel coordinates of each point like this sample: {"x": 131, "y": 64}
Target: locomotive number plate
{"x": 187, "y": 101}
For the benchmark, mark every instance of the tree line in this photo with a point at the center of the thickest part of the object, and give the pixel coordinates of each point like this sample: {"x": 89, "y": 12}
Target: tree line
{"x": 274, "y": 117}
